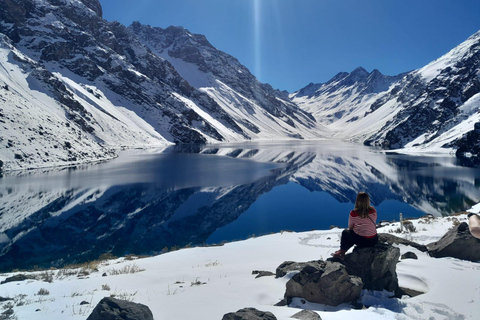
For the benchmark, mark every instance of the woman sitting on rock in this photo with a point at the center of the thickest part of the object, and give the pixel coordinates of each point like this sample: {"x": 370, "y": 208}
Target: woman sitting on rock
{"x": 362, "y": 229}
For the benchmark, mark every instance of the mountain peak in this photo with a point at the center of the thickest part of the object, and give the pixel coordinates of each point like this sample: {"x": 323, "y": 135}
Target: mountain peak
{"x": 376, "y": 72}
{"x": 360, "y": 71}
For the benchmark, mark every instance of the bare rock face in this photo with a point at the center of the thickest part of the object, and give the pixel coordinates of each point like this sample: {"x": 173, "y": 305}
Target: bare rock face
{"x": 376, "y": 266}
{"x": 115, "y": 309}
{"x": 457, "y": 243}
{"x": 249, "y": 314}
{"x": 324, "y": 282}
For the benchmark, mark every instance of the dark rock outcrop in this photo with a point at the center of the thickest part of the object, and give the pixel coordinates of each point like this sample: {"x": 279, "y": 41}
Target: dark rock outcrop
{"x": 391, "y": 239}
{"x": 324, "y": 282}
{"x": 262, "y": 273}
{"x": 115, "y": 309}
{"x": 249, "y": 314}
{"x": 456, "y": 243}
{"x": 376, "y": 266}
{"x": 17, "y": 277}
{"x": 289, "y": 266}
{"x": 469, "y": 146}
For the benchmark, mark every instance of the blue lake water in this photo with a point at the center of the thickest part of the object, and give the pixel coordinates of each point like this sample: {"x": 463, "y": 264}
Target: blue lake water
{"x": 148, "y": 202}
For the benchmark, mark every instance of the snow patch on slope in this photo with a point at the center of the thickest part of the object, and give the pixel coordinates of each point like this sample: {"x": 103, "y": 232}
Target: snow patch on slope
{"x": 433, "y": 69}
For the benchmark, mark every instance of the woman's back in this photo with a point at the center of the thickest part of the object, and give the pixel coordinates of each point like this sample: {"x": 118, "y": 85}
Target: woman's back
{"x": 365, "y": 227}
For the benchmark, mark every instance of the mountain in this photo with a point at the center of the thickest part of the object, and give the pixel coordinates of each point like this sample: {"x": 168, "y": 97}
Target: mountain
{"x": 75, "y": 88}
{"x": 429, "y": 109}
{"x": 253, "y": 105}
{"x": 343, "y": 96}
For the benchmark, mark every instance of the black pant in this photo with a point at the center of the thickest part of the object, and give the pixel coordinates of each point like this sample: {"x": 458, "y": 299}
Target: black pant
{"x": 350, "y": 238}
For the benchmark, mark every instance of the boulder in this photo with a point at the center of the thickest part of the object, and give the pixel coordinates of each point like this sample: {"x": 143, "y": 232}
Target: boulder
{"x": 306, "y": 315}
{"x": 289, "y": 266}
{"x": 249, "y": 314}
{"x": 376, "y": 266}
{"x": 115, "y": 309}
{"x": 324, "y": 282}
{"x": 458, "y": 243}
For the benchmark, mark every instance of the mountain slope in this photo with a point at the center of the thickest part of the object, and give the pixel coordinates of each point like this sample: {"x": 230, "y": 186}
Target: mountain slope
{"x": 258, "y": 108}
{"x": 344, "y": 97}
{"x": 74, "y": 88}
{"x": 111, "y": 91}
{"x": 430, "y": 109}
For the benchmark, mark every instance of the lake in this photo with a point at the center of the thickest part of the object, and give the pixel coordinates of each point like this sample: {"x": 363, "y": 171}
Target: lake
{"x": 148, "y": 202}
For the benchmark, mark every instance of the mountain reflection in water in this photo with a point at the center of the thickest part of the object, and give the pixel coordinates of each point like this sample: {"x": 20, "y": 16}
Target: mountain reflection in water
{"x": 143, "y": 203}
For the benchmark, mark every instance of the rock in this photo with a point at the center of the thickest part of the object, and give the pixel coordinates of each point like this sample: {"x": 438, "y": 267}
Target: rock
{"x": 410, "y": 292}
{"x": 2, "y": 299}
{"x": 456, "y": 243}
{"x": 84, "y": 303}
{"x": 409, "y": 255}
{"x": 262, "y": 273}
{"x": 17, "y": 277}
{"x": 306, "y": 315}
{"x": 289, "y": 266}
{"x": 376, "y": 266}
{"x": 391, "y": 239}
{"x": 324, "y": 282}
{"x": 7, "y": 313}
{"x": 281, "y": 303}
{"x": 249, "y": 314}
{"x": 115, "y": 309}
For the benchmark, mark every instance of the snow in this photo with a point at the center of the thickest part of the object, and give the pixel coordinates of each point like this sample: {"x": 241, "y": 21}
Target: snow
{"x": 189, "y": 71}
{"x": 475, "y": 208}
{"x": 433, "y": 69}
{"x": 223, "y": 130}
{"x": 208, "y": 282}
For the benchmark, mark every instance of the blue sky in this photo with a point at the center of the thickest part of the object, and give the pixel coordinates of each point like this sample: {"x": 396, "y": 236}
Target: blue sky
{"x": 290, "y": 43}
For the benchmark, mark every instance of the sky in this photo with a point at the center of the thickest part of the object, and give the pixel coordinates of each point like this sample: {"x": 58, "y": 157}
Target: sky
{"x": 290, "y": 43}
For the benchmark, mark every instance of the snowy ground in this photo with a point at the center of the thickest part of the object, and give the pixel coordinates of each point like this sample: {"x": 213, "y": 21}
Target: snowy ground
{"x": 205, "y": 283}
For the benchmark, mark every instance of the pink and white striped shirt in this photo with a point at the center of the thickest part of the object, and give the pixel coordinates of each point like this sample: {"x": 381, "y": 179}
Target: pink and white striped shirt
{"x": 363, "y": 226}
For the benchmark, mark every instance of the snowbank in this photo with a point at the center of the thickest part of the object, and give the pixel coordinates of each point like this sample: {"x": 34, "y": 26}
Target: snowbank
{"x": 207, "y": 282}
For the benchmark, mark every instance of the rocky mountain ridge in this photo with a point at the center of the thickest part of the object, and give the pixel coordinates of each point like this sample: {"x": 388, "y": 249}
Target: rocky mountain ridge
{"x": 225, "y": 80}
{"x": 107, "y": 90}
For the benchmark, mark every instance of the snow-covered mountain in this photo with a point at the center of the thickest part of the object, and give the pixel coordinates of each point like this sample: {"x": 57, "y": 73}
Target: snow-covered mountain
{"x": 250, "y": 103}
{"x": 74, "y": 86}
{"x": 429, "y": 109}
{"x": 343, "y": 97}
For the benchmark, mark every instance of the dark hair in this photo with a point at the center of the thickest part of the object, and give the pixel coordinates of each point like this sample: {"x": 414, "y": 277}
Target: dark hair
{"x": 362, "y": 204}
